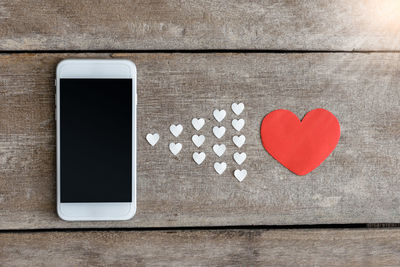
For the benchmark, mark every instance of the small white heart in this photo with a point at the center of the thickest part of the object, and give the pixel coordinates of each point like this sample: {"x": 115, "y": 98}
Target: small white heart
{"x": 240, "y": 175}
{"x": 198, "y": 123}
{"x": 220, "y": 167}
{"x": 199, "y": 157}
{"x": 237, "y": 108}
{"x": 238, "y": 124}
{"x": 176, "y": 130}
{"x": 239, "y": 140}
{"x": 219, "y": 149}
{"x": 152, "y": 138}
{"x": 219, "y": 131}
{"x": 175, "y": 148}
{"x": 198, "y": 140}
{"x": 219, "y": 115}
{"x": 239, "y": 157}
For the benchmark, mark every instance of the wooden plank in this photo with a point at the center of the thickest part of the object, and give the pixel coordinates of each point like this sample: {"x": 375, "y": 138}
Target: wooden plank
{"x": 203, "y": 248}
{"x": 192, "y": 24}
{"x": 358, "y": 183}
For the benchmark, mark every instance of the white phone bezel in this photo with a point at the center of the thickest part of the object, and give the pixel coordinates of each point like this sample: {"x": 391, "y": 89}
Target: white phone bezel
{"x": 97, "y": 68}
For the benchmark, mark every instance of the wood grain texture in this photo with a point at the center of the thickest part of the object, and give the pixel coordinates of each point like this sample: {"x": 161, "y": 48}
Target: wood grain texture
{"x": 203, "y": 248}
{"x": 192, "y": 24}
{"x": 358, "y": 183}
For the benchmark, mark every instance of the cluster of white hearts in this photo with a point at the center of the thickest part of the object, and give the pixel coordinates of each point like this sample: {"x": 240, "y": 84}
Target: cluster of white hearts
{"x": 219, "y": 149}
{"x": 219, "y": 132}
{"x": 239, "y": 141}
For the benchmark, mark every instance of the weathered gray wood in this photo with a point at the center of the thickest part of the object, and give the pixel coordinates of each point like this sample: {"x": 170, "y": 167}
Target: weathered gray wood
{"x": 203, "y": 248}
{"x": 193, "y": 24}
{"x": 358, "y": 183}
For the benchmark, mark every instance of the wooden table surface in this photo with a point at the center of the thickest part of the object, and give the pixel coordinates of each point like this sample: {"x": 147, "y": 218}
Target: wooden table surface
{"x": 193, "y": 57}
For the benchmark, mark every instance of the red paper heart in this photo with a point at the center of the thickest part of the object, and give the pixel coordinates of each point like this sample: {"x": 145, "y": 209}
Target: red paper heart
{"x": 300, "y": 146}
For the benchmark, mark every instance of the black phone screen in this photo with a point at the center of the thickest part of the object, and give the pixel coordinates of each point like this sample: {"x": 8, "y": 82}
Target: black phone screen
{"x": 95, "y": 140}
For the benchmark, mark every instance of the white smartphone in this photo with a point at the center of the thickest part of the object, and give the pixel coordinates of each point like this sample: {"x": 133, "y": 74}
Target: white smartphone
{"x": 96, "y": 139}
